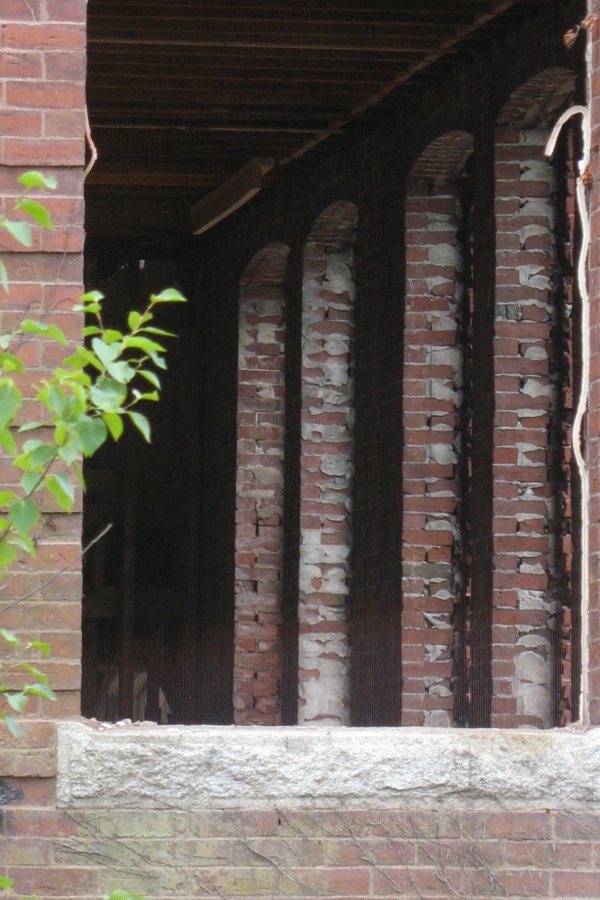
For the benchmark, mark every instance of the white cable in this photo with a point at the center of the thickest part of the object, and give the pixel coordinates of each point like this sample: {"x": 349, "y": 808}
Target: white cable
{"x": 582, "y": 401}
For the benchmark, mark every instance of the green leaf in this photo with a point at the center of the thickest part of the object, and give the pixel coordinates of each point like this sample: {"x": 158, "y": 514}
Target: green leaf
{"x": 71, "y": 451}
{"x": 42, "y": 646}
{"x": 3, "y": 276}
{"x": 111, "y": 335}
{"x": 92, "y": 433}
{"x": 21, "y": 231}
{"x": 91, "y": 330}
{"x": 23, "y": 515}
{"x": 114, "y": 423}
{"x": 120, "y": 370}
{"x": 8, "y": 441}
{"x": 76, "y": 468}
{"x": 29, "y": 480}
{"x": 14, "y": 728}
{"x": 22, "y": 541}
{"x": 11, "y": 363}
{"x": 31, "y": 426}
{"x": 8, "y": 554}
{"x": 151, "y": 395}
{"x": 62, "y": 490}
{"x": 5, "y": 882}
{"x": 27, "y": 667}
{"x": 37, "y": 212}
{"x": 169, "y": 295}
{"x": 6, "y": 498}
{"x": 108, "y": 395}
{"x": 133, "y": 319}
{"x": 35, "y": 179}
{"x": 18, "y": 701}
{"x": 141, "y": 423}
{"x": 83, "y": 357}
{"x": 36, "y": 454}
{"x": 9, "y": 637}
{"x": 106, "y": 353}
{"x": 10, "y": 401}
{"x": 40, "y": 690}
{"x": 152, "y": 330}
{"x": 150, "y": 376}
{"x": 53, "y": 332}
{"x": 143, "y": 343}
{"x": 92, "y": 297}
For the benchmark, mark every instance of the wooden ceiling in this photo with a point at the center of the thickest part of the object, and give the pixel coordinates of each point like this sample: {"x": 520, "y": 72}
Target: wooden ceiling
{"x": 182, "y": 93}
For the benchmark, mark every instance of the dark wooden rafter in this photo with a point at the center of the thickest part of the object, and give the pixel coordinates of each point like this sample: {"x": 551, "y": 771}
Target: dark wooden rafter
{"x": 182, "y": 95}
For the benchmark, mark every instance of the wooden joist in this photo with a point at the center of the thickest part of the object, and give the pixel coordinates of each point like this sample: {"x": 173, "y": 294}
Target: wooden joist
{"x": 231, "y": 195}
{"x": 188, "y": 95}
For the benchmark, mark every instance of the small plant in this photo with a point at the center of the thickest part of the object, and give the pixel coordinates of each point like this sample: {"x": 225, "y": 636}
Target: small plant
{"x": 87, "y": 398}
{"x": 7, "y": 883}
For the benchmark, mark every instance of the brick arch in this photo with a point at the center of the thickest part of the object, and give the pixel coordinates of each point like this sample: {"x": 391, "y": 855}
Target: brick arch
{"x": 433, "y": 567}
{"x": 267, "y": 266}
{"x": 259, "y": 487}
{"x": 444, "y": 158}
{"x": 538, "y": 102}
{"x": 326, "y": 467}
{"x": 532, "y": 518}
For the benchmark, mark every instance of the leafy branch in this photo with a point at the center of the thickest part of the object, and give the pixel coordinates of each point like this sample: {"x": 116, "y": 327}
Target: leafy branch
{"x": 89, "y": 397}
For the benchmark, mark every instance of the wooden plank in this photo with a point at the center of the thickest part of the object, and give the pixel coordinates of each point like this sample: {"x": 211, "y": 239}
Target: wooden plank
{"x": 145, "y": 178}
{"x": 399, "y": 43}
{"x": 231, "y": 195}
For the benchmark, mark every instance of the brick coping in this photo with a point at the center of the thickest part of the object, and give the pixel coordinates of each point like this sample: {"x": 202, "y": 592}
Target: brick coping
{"x": 216, "y": 767}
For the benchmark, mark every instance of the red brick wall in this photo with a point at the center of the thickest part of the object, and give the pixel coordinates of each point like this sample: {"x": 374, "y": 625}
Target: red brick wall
{"x": 259, "y": 488}
{"x": 346, "y": 853}
{"x": 341, "y": 852}
{"x": 42, "y": 125}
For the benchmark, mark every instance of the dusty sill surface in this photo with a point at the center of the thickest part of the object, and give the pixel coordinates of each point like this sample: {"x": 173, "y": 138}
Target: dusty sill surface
{"x": 215, "y": 767}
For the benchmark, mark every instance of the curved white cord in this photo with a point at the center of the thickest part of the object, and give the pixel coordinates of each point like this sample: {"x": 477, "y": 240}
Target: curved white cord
{"x": 582, "y": 401}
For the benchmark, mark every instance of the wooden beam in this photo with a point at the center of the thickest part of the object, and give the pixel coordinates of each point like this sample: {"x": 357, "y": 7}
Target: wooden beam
{"x": 231, "y": 195}
{"x": 148, "y": 178}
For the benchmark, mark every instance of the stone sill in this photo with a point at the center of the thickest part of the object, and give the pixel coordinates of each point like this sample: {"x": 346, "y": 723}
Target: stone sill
{"x": 213, "y": 767}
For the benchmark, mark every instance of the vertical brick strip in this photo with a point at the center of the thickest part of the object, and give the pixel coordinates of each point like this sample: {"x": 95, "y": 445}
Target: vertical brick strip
{"x": 259, "y": 488}
{"x": 326, "y": 469}
{"x": 592, "y": 602}
{"x": 433, "y": 369}
{"x": 481, "y": 364}
{"x": 524, "y": 608}
{"x": 567, "y": 512}
{"x": 42, "y": 125}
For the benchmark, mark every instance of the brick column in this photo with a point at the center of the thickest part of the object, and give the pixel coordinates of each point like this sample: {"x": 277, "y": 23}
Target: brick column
{"x": 259, "y": 488}
{"x": 591, "y": 604}
{"x": 42, "y": 125}
{"x": 326, "y": 470}
{"x": 433, "y": 373}
{"x": 524, "y": 608}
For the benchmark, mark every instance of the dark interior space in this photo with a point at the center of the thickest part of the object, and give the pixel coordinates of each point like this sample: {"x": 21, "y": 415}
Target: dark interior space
{"x": 200, "y": 108}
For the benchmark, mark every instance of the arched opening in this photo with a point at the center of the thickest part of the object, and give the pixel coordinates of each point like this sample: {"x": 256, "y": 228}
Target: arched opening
{"x": 326, "y": 468}
{"x": 435, "y": 532}
{"x": 535, "y": 610}
{"x": 148, "y": 634}
{"x": 259, "y": 530}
